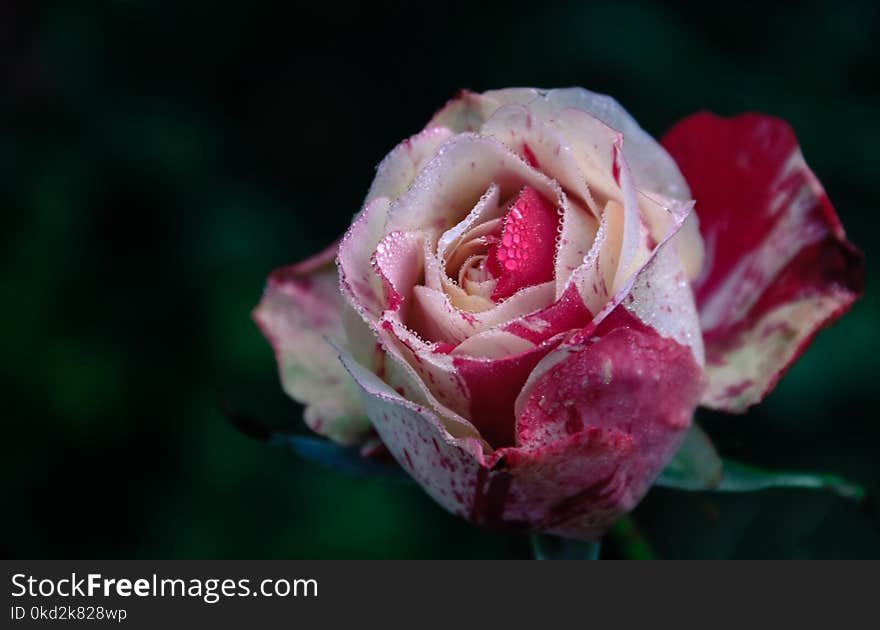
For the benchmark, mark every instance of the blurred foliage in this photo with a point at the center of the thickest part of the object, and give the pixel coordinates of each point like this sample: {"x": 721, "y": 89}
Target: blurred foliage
{"x": 158, "y": 159}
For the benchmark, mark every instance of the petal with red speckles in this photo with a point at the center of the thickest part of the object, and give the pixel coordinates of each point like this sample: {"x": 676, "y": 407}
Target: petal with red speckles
{"x": 576, "y": 487}
{"x": 629, "y": 378}
{"x": 446, "y": 467}
{"x": 299, "y": 310}
{"x": 778, "y": 265}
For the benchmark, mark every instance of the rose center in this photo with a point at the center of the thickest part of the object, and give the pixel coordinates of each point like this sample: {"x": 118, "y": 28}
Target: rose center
{"x": 524, "y": 254}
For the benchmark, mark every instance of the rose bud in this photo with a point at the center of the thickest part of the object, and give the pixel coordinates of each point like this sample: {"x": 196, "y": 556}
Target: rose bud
{"x": 528, "y": 308}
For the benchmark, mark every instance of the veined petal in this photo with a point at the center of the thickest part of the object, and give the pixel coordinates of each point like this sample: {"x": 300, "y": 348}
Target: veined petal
{"x": 779, "y": 267}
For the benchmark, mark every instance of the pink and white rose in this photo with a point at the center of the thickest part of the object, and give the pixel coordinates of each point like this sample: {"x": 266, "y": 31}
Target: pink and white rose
{"x": 536, "y": 295}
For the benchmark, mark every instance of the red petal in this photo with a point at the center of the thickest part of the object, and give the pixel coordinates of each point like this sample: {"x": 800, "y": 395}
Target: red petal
{"x": 631, "y": 379}
{"x": 567, "y": 313}
{"x": 576, "y": 487}
{"x": 779, "y": 267}
{"x": 524, "y": 256}
{"x": 493, "y": 385}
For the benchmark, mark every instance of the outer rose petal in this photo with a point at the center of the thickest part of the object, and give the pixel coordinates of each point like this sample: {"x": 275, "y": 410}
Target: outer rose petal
{"x": 778, "y": 265}
{"x": 397, "y": 171}
{"x": 629, "y": 378}
{"x": 300, "y": 309}
{"x": 576, "y": 487}
{"x": 652, "y": 167}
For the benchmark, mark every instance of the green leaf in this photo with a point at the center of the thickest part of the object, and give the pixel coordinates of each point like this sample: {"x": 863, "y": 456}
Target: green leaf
{"x": 548, "y": 547}
{"x": 743, "y": 478}
{"x": 696, "y": 465}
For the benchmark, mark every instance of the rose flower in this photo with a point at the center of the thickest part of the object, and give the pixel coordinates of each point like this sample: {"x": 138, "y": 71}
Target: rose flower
{"x": 536, "y": 296}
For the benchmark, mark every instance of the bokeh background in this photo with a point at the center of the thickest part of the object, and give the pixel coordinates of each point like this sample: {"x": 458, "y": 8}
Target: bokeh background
{"x": 158, "y": 159}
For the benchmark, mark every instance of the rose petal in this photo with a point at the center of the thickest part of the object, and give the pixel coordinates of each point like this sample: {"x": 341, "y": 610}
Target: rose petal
{"x": 452, "y": 183}
{"x": 399, "y": 261}
{"x": 634, "y": 248}
{"x": 432, "y": 366}
{"x": 446, "y": 467}
{"x": 299, "y": 310}
{"x": 599, "y": 151}
{"x": 779, "y": 267}
{"x": 486, "y": 209}
{"x": 524, "y": 256}
{"x": 641, "y": 303}
{"x": 594, "y": 276}
{"x": 579, "y": 232}
{"x": 493, "y": 385}
{"x": 542, "y": 146}
{"x": 356, "y": 255}
{"x": 396, "y": 172}
{"x": 661, "y": 298}
{"x": 418, "y": 372}
{"x": 568, "y": 313}
{"x": 577, "y": 487}
{"x": 630, "y": 383}
{"x": 594, "y": 147}
{"x": 436, "y": 318}
{"x": 492, "y": 344}
{"x": 652, "y": 167}
{"x": 630, "y": 379}
{"x": 468, "y": 111}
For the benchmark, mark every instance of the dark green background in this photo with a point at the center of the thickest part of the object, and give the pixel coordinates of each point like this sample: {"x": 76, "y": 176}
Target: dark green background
{"x": 158, "y": 159}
